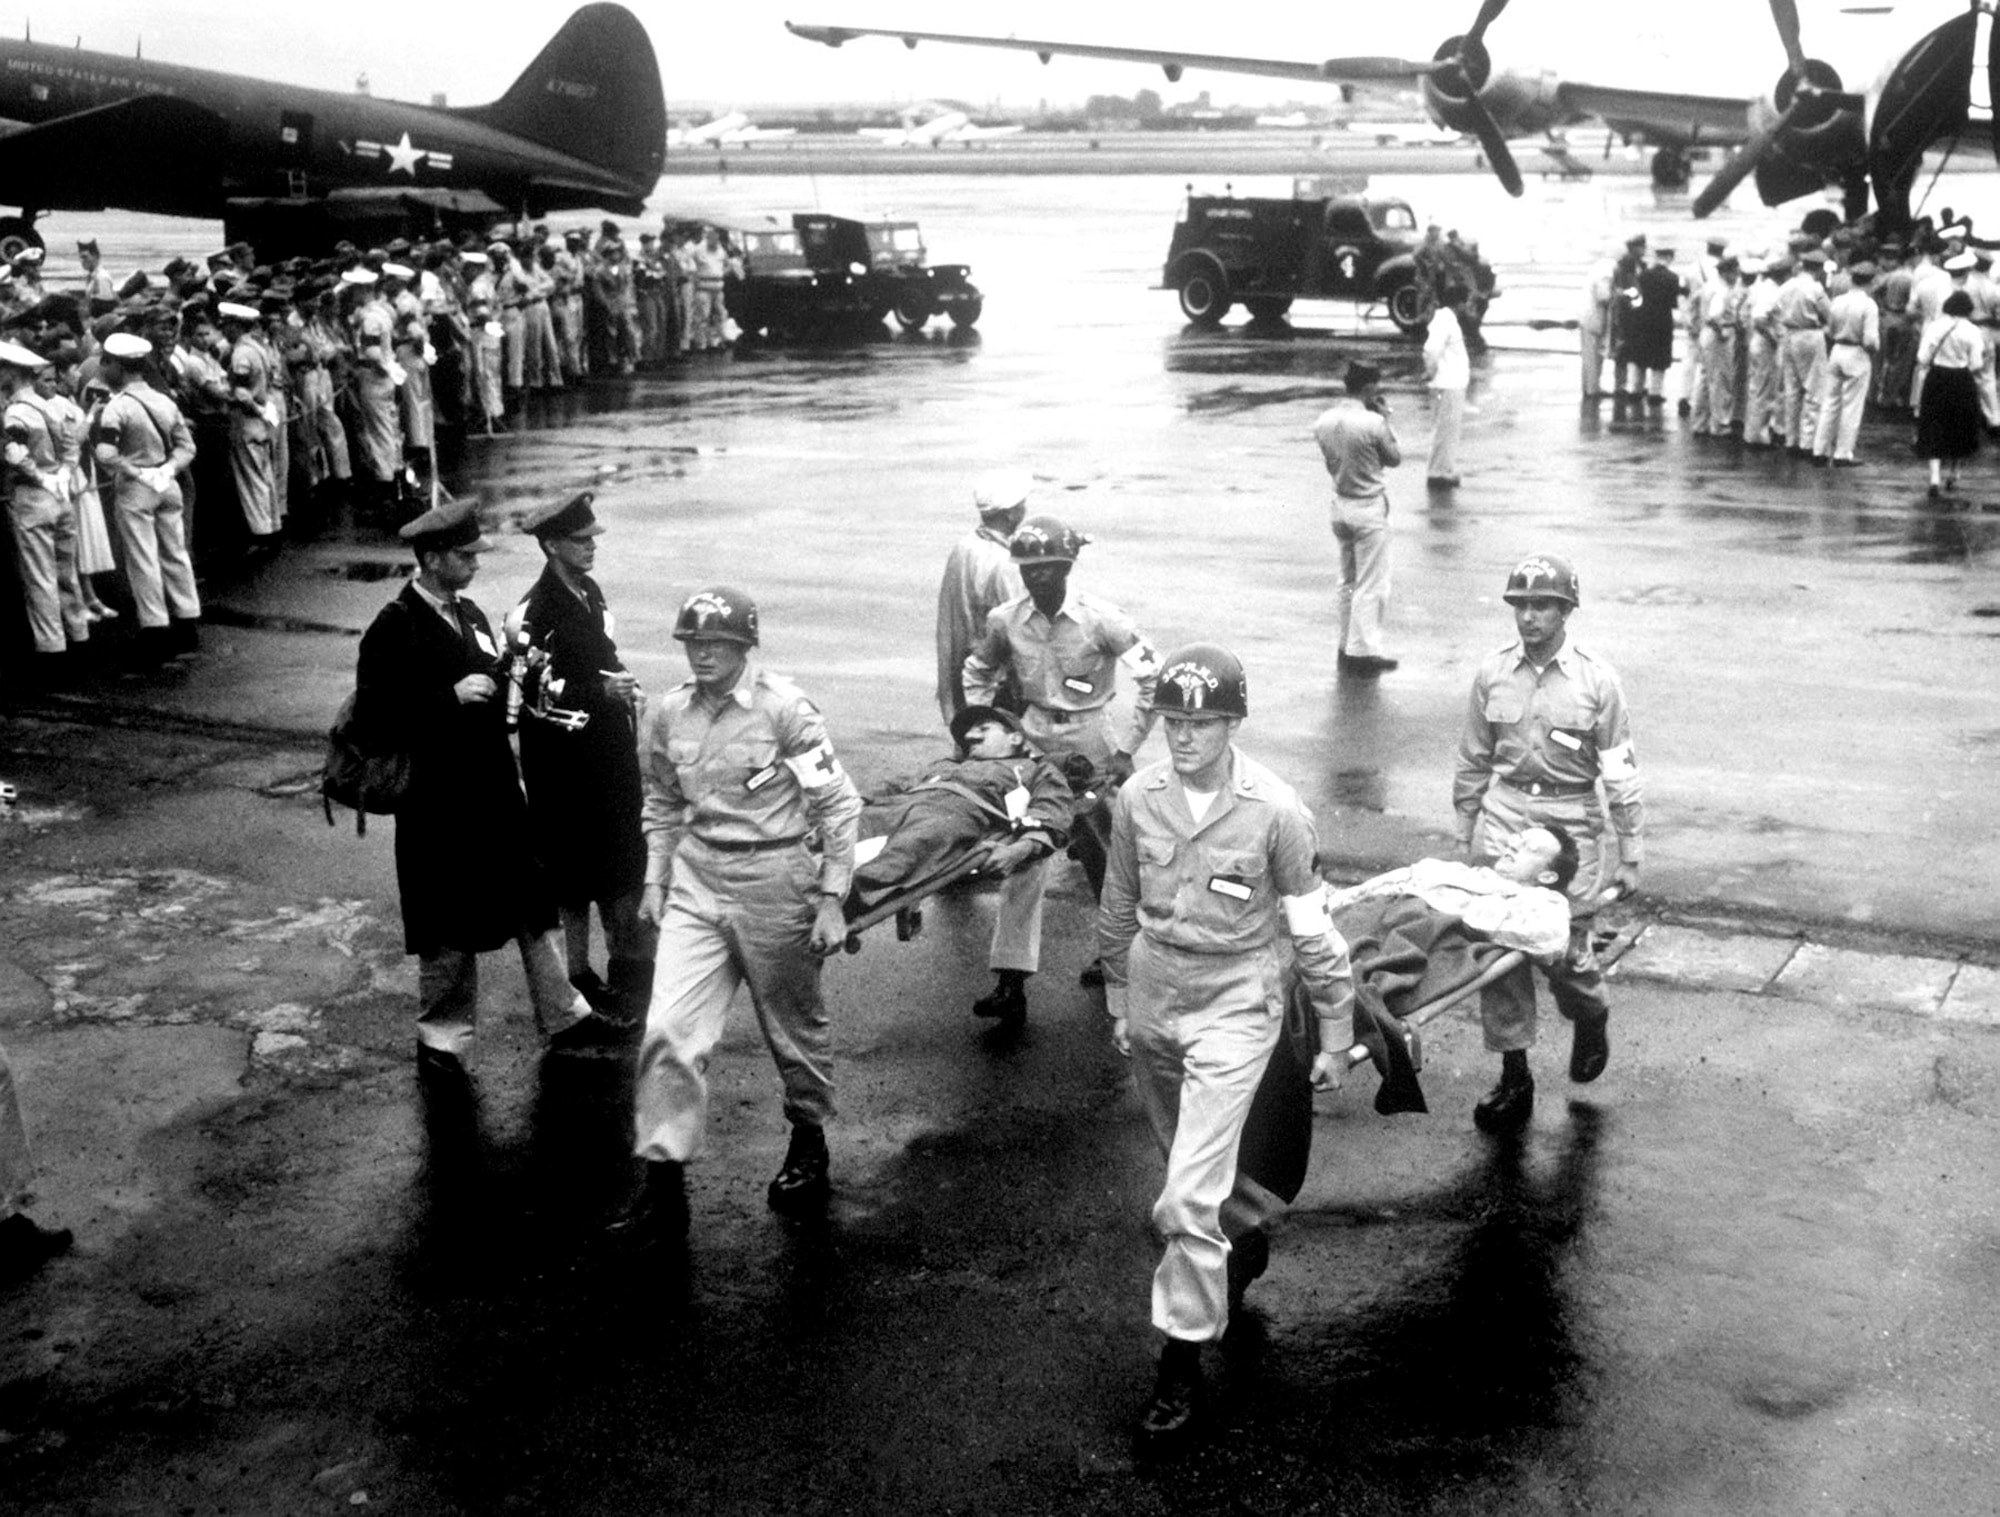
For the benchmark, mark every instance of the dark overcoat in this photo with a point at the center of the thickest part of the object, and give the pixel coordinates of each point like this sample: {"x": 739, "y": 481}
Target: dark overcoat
{"x": 583, "y": 786}
{"x": 465, "y": 866}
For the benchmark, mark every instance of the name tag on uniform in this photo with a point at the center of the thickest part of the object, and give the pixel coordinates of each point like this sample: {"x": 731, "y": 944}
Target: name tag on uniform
{"x": 1080, "y": 686}
{"x": 1566, "y": 739}
{"x": 1236, "y": 890}
{"x": 485, "y": 643}
{"x": 761, "y": 778}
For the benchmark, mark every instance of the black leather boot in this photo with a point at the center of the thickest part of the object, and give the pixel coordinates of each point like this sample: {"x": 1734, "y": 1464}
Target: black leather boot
{"x": 1007, "y": 1001}
{"x": 1508, "y": 1105}
{"x": 658, "y": 1214}
{"x": 1176, "y": 1392}
{"x": 801, "y": 1183}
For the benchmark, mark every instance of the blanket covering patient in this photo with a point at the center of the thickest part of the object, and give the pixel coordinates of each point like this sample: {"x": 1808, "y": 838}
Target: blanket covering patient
{"x": 993, "y": 789}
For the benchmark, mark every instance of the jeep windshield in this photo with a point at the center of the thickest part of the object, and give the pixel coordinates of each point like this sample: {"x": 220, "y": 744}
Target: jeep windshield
{"x": 772, "y": 250}
{"x": 896, "y": 242}
{"x": 1392, "y": 216}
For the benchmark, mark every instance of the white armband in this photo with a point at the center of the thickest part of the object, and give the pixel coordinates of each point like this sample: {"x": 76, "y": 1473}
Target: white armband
{"x": 1617, "y": 763}
{"x": 1140, "y": 659}
{"x": 816, "y": 768}
{"x": 1307, "y": 915}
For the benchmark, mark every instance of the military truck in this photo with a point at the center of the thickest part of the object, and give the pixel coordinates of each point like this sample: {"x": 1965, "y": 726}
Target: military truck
{"x": 1266, "y": 253}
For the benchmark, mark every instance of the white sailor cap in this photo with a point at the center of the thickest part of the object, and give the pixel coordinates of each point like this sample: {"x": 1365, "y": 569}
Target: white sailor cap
{"x": 398, "y": 271}
{"x": 16, "y": 356}
{"x": 357, "y": 276}
{"x": 474, "y": 258}
{"x": 235, "y": 310}
{"x": 127, "y": 345}
{"x": 1958, "y": 263}
{"x": 1002, "y": 490}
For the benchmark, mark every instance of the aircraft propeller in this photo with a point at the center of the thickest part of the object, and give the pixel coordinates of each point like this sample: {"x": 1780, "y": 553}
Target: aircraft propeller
{"x": 1808, "y": 87}
{"x": 1458, "y": 72}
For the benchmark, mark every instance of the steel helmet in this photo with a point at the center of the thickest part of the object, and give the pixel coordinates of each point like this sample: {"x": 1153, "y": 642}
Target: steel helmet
{"x": 718, "y": 612}
{"x": 1044, "y": 540}
{"x": 1202, "y": 680}
{"x": 1542, "y": 574}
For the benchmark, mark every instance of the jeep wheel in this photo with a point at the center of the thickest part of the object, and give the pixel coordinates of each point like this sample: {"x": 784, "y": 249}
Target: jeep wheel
{"x": 17, "y": 235}
{"x": 1411, "y": 305}
{"x": 913, "y": 309}
{"x": 966, "y": 312}
{"x": 1204, "y": 291}
{"x": 1267, "y": 307}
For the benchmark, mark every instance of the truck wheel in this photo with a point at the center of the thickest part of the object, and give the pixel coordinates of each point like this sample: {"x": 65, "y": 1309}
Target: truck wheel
{"x": 1204, "y": 290}
{"x": 1411, "y": 305}
{"x": 1267, "y": 307}
{"x": 913, "y": 309}
{"x": 966, "y": 312}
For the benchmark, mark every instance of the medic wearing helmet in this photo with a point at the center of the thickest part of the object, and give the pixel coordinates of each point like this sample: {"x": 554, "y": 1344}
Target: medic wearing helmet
{"x": 1211, "y": 900}
{"x": 1547, "y": 740}
{"x": 739, "y": 777}
{"x": 1063, "y": 650}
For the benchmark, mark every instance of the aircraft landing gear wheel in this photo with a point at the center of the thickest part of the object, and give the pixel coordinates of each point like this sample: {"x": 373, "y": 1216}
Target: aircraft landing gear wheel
{"x": 1670, "y": 169}
{"x": 17, "y": 234}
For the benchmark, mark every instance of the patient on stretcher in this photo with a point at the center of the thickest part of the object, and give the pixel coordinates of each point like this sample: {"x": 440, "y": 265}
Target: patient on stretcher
{"x": 994, "y": 791}
{"x": 1424, "y": 931}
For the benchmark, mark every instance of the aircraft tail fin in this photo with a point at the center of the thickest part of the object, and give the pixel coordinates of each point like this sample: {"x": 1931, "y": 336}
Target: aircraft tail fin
{"x": 594, "y": 93}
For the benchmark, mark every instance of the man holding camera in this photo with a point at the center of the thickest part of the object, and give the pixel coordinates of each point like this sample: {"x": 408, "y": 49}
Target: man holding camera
{"x": 1358, "y": 442}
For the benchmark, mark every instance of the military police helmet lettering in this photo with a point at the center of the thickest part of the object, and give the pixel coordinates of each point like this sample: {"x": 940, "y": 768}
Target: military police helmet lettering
{"x": 1202, "y": 680}
{"x": 1543, "y": 575}
{"x": 1045, "y": 540}
{"x": 718, "y": 612}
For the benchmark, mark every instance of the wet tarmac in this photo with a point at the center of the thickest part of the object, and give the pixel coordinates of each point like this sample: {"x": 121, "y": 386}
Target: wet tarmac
{"x": 1751, "y": 1272}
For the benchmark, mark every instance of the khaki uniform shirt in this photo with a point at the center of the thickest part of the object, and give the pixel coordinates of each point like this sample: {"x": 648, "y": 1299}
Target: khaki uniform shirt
{"x": 1226, "y": 891}
{"x": 1557, "y": 730}
{"x": 753, "y": 766}
{"x": 1067, "y": 665}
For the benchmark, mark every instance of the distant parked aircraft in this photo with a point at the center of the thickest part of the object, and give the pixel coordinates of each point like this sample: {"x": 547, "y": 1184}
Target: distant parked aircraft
{"x": 936, "y": 131}
{"x": 731, "y": 129}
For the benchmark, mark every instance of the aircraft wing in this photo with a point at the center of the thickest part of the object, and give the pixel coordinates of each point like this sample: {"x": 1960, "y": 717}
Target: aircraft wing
{"x": 1338, "y": 70}
{"x": 1672, "y": 120}
{"x": 150, "y": 146}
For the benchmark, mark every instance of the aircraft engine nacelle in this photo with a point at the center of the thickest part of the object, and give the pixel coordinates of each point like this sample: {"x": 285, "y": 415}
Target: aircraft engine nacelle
{"x": 1520, "y": 103}
{"x": 1828, "y": 134}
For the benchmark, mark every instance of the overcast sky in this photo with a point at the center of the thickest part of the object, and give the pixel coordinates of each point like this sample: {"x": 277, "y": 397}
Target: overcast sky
{"x": 740, "y": 53}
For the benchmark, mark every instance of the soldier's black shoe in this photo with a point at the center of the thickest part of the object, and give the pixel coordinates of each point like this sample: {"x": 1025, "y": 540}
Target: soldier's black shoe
{"x": 25, "y": 1245}
{"x": 1092, "y": 977}
{"x": 1249, "y": 1257}
{"x": 1007, "y": 1001}
{"x": 657, "y": 1214}
{"x": 1589, "y": 1049}
{"x": 1508, "y": 1105}
{"x": 1176, "y": 1393}
{"x": 801, "y": 1184}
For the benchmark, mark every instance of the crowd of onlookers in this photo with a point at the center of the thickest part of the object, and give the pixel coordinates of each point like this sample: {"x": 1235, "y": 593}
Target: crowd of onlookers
{"x": 320, "y": 382}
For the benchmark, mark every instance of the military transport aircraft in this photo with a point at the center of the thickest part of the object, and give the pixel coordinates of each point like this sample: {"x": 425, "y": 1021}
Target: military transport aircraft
{"x": 936, "y": 130}
{"x": 584, "y": 126}
{"x": 1807, "y": 132}
{"x": 731, "y": 129}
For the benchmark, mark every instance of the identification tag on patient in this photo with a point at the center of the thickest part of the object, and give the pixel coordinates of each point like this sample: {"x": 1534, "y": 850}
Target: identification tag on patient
{"x": 1080, "y": 686}
{"x": 485, "y": 643}
{"x": 761, "y": 778}
{"x": 1222, "y": 884}
{"x": 1016, "y": 802}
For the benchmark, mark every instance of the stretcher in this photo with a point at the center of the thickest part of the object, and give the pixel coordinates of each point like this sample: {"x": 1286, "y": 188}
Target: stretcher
{"x": 1496, "y": 967}
{"x": 905, "y": 908}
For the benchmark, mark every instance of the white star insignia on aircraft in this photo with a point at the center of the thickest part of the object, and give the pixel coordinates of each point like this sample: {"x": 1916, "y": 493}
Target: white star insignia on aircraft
{"x": 402, "y": 157}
